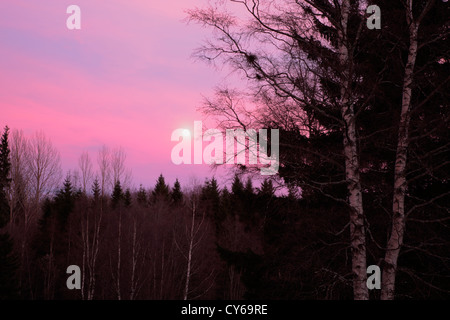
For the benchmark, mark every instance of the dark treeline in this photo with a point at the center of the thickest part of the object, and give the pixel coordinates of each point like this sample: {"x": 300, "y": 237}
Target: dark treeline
{"x": 201, "y": 242}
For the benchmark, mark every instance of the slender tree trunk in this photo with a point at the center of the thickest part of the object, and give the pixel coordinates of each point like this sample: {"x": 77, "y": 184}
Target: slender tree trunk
{"x": 134, "y": 257}
{"x": 94, "y": 254}
{"x": 48, "y": 287}
{"x": 235, "y": 290}
{"x": 161, "y": 284}
{"x": 154, "y": 278}
{"x": 189, "y": 257}
{"x": 11, "y": 210}
{"x": 357, "y": 230}
{"x": 119, "y": 247}
{"x": 395, "y": 241}
{"x": 85, "y": 240}
{"x": 25, "y": 263}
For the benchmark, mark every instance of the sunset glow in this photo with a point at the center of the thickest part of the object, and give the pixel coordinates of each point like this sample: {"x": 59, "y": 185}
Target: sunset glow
{"x": 126, "y": 78}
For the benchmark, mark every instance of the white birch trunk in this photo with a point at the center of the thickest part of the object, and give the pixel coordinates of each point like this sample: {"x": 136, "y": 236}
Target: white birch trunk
{"x": 395, "y": 241}
{"x": 357, "y": 230}
{"x": 134, "y": 258}
{"x": 189, "y": 257}
{"x": 84, "y": 240}
{"x": 93, "y": 256}
{"x": 119, "y": 257}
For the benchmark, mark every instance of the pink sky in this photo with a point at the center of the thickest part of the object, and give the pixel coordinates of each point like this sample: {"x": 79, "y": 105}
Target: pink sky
{"x": 125, "y": 79}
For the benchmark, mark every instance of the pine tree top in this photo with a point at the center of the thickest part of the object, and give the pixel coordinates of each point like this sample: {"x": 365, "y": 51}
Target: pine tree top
{"x": 127, "y": 198}
{"x": 177, "y": 194}
{"x": 142, "y": 196}
{"x": 249, "y": 186}
{"x": 267, "y": 188}
{"x": 161, "y": 188}
{"x": 5, "y": 163}
{"x": 117, "y": 196}
{"x": 96, "y": 189}
{"x": 237, "y": 187}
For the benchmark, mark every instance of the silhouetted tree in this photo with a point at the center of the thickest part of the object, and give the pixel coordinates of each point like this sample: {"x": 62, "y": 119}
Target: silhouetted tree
{"x": 127, "y": 200}
{"x": 142, "y": 197}
{"x": 5, "y": 167}
{"x": 161, "y": 190}
{"x": 210, "y": 197}
{"x": 65, "y": 201}
{"x": 176, "y": 194}
{"x": 266, "y": 188}
{"x": 117, "y": 196}
{"x": 96, "y": 191}
{"x": 8, "y": 260}
{"x": 237, "y": 188}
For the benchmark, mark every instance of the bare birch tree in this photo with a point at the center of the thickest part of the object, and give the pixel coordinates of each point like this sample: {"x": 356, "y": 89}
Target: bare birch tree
{"x": 91, "y": 221}
{"x": 20, "y": 179}
{"x": 352, "y": 167}
{"x": 191, "y": 235}
{"x": 290, "y": 29}
{"x": 36, "y": 173}
{"x": 19, "y": 199}
{"x": 138, "y": 275}
{"x": 44, "y": 163}
{"x": 397, "y": 232}
{"x": 119, "y": 172}
{"x": 85, "y": 165}
{"x": 104, "y": 167}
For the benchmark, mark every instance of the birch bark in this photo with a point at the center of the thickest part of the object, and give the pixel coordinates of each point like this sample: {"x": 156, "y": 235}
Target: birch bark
{"x": 395, "y": 241}
{"x": 357, "y": 229}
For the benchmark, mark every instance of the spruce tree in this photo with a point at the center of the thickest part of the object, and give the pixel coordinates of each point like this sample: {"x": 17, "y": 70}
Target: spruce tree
{"x": 96, "y": 191}
{"x": 161, "y": 191}
{"x": 211, "y": 193}
{"x": 266, "y": 188}
{"x": 46, "y": 228}
{"x": 5, "y": 164}
{"x": 5, "y": 180}
{"x": 249, "y": 213}
{"x": 237, "y": 188}
{"x": 8, "y": 260}
{"x": 117, "y": 196}
{"x": 142, "y": 197}
{"x": 127, "y": 200}
{"x": 176, "y": 193}
{"x": 238, "y": 203}
{"x": 4, "y": 208}
{"x": 225, "y": 208}
{"x": 211, "y": 198}
{"x": 65, "y": 202}
{"x": 248, "y": 187}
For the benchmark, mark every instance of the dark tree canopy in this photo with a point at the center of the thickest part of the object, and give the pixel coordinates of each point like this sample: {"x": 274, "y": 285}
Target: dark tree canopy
{"x": 117, "y": 197}
{"x": 161, "y": 190}
{"x": 176, "y": 194}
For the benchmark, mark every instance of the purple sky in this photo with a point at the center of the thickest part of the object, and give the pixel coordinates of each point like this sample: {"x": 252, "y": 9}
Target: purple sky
{"x": 125, "y": 79}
